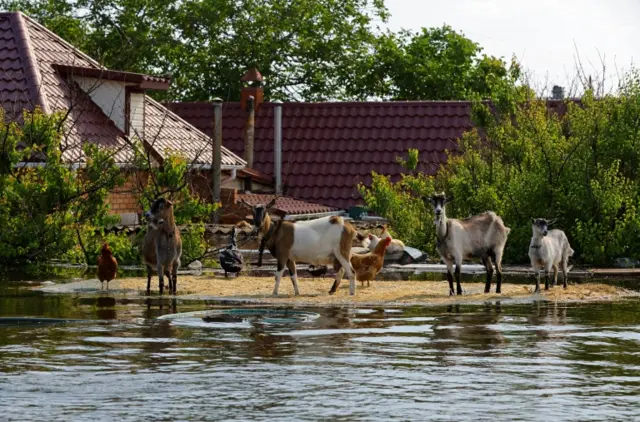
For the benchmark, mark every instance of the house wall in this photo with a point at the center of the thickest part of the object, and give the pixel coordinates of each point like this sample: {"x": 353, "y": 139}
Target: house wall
{"x": 136, "y": 114}
{"x": 124, "y": 199}
{"x": 239, "y": 184}
{"x": 203, "y": 186}
{"x": 108, "y": 95}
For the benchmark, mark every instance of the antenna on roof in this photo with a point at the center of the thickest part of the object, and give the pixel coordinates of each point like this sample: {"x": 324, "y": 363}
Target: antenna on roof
{"x": 557, "y": 93}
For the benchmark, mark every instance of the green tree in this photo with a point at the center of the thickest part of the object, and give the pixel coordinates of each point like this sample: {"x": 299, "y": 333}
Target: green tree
{"x": 433, "y": 64}
{"x": 310, "y": 50}
{"x": 44, "y": 208}
{"x": 300, "y": 46}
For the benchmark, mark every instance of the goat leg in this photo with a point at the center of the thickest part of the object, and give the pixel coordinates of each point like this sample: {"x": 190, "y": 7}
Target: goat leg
{"x": 497, "y": 261}
{"x": 291, "y": 265}
{"x": 458, "y": 285}
{"x": 168, "y": 274}
{"x": 261, "y": 251}
{"x": 537, "y": 281}
{"x": 148, "y": 280}
{"x": 489, "y": 269}
{"x": 450, "y": 280}
{"x": 337, "y": 266}
{"x": 160, "y": 279}
{"x": 546, "y": 279}
{"x": 175, "y": 278}
{"x": 279, "y": 272}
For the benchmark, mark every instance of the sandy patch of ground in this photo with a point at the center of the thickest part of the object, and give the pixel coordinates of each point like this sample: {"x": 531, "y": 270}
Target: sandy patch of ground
{"x": 315, "y": 291}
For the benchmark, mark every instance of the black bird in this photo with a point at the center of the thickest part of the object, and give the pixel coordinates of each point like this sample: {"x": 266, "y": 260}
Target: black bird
{"x": 230, "y": 257}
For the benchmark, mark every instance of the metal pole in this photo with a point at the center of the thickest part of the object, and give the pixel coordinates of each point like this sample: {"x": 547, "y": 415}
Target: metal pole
{"x": 216, "y": 155}
{"x": 277, "y": 145}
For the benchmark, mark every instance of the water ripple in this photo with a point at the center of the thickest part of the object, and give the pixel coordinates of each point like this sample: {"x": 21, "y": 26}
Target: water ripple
{"x": 546, "y": 362}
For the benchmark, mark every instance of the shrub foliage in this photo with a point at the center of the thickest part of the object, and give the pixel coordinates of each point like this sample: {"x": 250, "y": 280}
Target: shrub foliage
{"x": 580, "y": 166}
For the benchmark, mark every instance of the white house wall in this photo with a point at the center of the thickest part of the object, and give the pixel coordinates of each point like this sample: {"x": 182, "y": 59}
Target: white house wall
{"x": 136, "y": 110}
{"x": 108, "y": 95}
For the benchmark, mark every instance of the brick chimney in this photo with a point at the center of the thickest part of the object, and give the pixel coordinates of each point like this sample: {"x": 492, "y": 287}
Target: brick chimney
{"x": 250, "y": 99}
{"x": 251, "y": 87}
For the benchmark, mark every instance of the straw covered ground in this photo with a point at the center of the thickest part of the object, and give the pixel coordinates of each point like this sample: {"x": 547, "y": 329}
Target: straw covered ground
{"x": 315, "y": 291}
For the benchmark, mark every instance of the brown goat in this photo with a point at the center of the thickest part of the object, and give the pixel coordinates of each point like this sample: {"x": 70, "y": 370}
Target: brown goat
{"x": 322, "y": 241}
{"x": 162, "y": 247}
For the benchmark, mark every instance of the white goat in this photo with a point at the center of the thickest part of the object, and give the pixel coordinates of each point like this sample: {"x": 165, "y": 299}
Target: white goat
{"x": 547, "y": 250}
{"x": 481, "y": 236}
{"x": 322, "y": 241}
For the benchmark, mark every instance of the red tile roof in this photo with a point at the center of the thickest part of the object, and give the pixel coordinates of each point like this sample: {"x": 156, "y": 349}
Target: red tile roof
{"x": 28, "y": 77}
{"x": 329, "y": 147}
{"x": 286, "y": 205}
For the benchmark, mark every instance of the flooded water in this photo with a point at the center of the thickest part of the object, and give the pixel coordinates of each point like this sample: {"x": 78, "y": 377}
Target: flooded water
{"x": 115, "y": 361}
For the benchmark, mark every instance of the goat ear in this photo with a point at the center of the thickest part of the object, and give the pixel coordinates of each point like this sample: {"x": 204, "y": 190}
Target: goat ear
{"x": 533, "y": 220}
{"x": 449, "y": 198}
{"x": 551, "y": 222}
{"x": 272, "y": 203}
{"x": 169, "y": 203}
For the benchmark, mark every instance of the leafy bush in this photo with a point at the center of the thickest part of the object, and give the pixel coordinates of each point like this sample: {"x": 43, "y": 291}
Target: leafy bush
{"x": 581, "y": 167}
{"x": 194, "y": 245}
{"x": 123, "y": 246}
{"x": 44, "y": 207}
{"x": 404, "y": 210}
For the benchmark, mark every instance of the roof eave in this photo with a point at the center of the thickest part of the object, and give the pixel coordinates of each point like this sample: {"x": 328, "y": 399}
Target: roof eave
{"x": 139, "y": 80}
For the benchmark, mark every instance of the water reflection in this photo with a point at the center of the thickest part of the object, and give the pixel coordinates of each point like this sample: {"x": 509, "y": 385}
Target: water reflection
{"x": 540, "y": 361}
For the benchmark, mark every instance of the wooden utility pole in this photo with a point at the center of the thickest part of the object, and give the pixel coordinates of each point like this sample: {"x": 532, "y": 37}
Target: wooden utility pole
{"x": 216, "y": 155}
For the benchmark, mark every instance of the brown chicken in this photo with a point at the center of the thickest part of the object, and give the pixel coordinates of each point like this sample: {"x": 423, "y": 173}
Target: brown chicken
{"x": 368, "y": 265}
{"x": 107, "y": 266}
